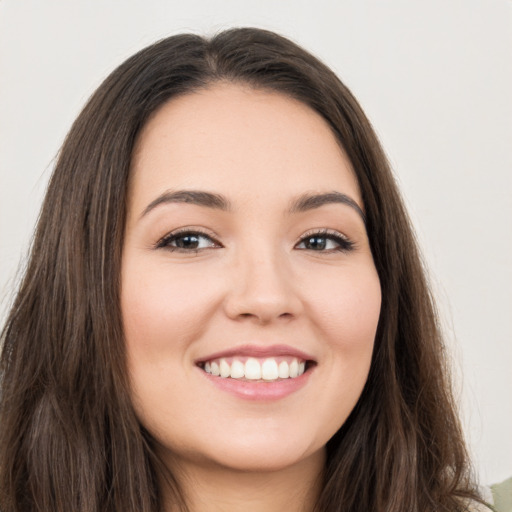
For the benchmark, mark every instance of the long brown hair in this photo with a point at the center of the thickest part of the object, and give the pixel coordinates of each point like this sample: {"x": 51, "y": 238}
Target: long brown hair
{"x": 69, "y": 437}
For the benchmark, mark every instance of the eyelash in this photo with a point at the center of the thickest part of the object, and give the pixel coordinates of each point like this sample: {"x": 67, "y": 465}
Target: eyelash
{"x": 164, "y": 243}
{"x": 344, "y": 243}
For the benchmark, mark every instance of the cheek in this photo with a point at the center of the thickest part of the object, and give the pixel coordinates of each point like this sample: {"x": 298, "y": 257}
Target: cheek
{"x": 345, "y": 317}
{"x": 347, "y": 313}
{"x": 160, "y": 305}
{"x": 163, "y": 312}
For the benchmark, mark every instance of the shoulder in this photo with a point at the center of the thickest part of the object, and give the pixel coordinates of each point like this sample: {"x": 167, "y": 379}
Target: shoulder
{"x": 475, "y": 506}
{"x": 502, "y": 496}
{"x": 486, "y": 495}
{"x": 498, "y": 496}
{"x": 479, "y": 507}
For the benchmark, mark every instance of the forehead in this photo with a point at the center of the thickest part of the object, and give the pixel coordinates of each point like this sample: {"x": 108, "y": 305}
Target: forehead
{"x": 240, "y": 142}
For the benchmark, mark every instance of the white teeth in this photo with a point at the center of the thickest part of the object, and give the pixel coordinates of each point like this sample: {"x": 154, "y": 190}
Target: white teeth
{"x": 237, "y": 369}
{"x": 225, "y": 369}
{"x": 252, "y": 369}
{"x": 294, "y": 369}
{"x": 256, "y": 369}
{"x": 284, "y": 370}
{"x": 269, "y": 370}
{"x": 215, "y": 368}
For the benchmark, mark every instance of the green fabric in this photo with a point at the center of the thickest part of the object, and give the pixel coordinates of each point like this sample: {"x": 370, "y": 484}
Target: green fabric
{"x": 502, "y": 495}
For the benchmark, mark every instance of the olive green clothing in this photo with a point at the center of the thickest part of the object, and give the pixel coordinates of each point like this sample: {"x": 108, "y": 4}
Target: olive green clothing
{"x": 502, "y": 496}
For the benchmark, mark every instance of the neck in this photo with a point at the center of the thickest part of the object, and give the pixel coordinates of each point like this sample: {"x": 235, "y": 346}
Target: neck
{"x": 216, "y": 488}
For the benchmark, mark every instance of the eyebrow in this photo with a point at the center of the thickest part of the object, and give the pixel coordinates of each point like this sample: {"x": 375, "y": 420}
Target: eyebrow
{"x": 197, "y": 197}
{"x": 310, "y": 201}
{"x": 305, "y": 202}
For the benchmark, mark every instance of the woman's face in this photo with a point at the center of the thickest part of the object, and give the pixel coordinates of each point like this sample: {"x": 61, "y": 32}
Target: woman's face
{"x": 245, "y": 254}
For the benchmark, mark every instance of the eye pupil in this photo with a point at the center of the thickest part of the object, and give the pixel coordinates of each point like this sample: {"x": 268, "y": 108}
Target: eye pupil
{"x": 187, "y": 242}
{"x": 316, "y": 243}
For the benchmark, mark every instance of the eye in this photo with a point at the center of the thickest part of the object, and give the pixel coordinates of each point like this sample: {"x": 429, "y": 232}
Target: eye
{"x": 187, "y": 241}
{"x": 325, "y": 241}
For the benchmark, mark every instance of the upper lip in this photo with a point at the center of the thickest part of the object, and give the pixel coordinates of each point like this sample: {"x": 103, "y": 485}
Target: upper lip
{"x": 258, "y": 351}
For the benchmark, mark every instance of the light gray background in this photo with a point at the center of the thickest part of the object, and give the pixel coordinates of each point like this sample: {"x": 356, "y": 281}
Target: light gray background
{"x": 435, "y": 79}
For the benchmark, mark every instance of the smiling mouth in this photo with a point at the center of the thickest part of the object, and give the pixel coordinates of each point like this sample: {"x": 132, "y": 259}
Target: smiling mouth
{"x": 268, "y": 369}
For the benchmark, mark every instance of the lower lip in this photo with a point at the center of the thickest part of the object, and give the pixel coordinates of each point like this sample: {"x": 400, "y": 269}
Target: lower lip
{"x": 259, "y": 390}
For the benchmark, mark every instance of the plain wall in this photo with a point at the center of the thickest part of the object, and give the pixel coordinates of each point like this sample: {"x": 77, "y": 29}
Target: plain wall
{"x": 434, "y": 77}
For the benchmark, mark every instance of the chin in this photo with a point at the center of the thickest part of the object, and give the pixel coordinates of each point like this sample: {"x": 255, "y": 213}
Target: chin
{"x": 264, "y": 453}
{"x": 256, "y": 453}
{"x": 261, "y": 461}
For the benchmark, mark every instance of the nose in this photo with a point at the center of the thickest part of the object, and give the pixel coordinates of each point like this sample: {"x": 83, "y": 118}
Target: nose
{"x": 262, "y": 289}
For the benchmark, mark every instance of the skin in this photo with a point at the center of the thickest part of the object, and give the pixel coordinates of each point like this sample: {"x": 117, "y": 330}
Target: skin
{"x": 254, "y": 279}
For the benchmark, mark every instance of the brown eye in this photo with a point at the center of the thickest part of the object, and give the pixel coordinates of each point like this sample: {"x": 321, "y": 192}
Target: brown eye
{"x": 187, "y": 241}
{"x": 316, "y": 243}
{"x": 325, "y": 242}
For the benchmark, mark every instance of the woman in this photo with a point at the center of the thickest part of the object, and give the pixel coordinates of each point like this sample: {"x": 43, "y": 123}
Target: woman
{"x": 225, "y": 308}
